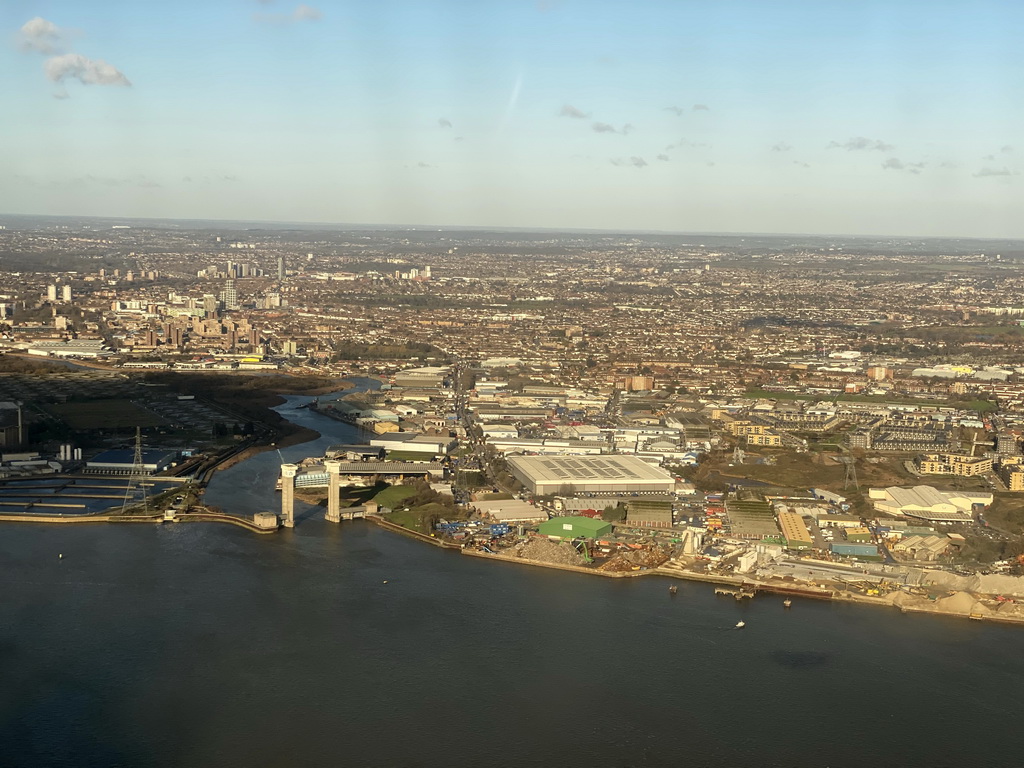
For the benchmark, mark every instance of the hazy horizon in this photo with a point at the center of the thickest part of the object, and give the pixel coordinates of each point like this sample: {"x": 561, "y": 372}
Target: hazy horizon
{"x": 871, "y": 119}
{"x": 250, "y": 224}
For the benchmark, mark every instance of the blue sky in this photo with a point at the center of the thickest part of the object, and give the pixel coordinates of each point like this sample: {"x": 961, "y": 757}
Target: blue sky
{"x": 891, "y": 117}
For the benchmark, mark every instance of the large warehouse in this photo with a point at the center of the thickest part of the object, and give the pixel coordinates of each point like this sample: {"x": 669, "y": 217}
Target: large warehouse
{"x": 927, "y": 503}
{"x": 121, "y": 461}
{"x": 570, "y": 475}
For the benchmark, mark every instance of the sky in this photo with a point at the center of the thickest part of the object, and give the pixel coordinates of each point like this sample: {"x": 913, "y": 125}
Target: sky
{"x": 875, "y": 117}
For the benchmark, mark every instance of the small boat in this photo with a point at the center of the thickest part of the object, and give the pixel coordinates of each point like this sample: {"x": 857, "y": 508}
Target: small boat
{"x": 787, "y": 602}
{"x": 673, "y": 589}
{"x": 740, "y": 624}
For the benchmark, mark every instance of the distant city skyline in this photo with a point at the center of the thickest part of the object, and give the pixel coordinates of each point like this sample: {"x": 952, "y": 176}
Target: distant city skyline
{"x": 868, "y": 118}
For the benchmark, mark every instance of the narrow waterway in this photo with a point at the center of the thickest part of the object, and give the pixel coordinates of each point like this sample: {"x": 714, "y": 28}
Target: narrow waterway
{"x": 248, "y": 487}
{"x": 205, "y": 645}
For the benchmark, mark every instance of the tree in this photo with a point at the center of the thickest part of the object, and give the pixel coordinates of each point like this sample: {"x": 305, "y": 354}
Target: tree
{"x": 614, "y": 514}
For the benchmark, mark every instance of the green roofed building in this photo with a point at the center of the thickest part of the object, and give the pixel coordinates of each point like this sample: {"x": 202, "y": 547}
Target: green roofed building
{"x": 573, "y": 527}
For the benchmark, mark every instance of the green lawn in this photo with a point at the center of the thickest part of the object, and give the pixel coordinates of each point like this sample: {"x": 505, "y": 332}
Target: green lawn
{"x": 407, "y": 518}
{"x": 355, "y": 495}
{"x": 419, "y": 519}
{"x": 394, "y": 495}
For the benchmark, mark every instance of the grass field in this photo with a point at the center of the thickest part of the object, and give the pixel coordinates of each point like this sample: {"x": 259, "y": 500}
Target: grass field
{"x": 355, "y": 495}
{"x": 105, "y": 414}
{"x": 419, "y": 519}
{"x": 393, "y": 495}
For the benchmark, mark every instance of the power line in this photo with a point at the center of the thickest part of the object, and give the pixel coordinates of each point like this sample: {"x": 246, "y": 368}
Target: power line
{"x": 137, "y": 478}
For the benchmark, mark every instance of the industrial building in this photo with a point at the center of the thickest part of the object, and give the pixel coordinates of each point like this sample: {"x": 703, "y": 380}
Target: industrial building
{"x": 510, "y": 511}
{"x": 575, "y": 527}
{"x": 69, "y": 348}
{"x": 11, "y": 428}
{"x": 927, "y": 503}
{"x": 922, "y": 548}
{"x": 121, "y": 461}
{"x": 569, "y": 475}
{"x": 649, "y": 513}
{"x": 751, "y": 519}
{"x": 430, "y": 376}
{"x": 359, "y": 472}
{"x": 794, "y": 531}
{"x": 862, "y": 551}
{"x": 411, "y": 442}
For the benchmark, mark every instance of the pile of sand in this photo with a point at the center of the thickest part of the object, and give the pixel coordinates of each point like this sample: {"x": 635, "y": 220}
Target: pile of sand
{"x": 959, "y": 603}
{"x": 990, "y": 584}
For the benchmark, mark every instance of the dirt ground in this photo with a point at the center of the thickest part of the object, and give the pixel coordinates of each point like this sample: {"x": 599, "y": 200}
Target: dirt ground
{"x": 797, "y": 471}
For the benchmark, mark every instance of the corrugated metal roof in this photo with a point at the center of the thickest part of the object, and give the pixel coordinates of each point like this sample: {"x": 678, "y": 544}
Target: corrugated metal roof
{"x": 390, "y": 467}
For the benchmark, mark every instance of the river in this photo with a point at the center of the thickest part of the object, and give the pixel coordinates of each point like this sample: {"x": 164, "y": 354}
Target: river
{"x": 206, "y": 645}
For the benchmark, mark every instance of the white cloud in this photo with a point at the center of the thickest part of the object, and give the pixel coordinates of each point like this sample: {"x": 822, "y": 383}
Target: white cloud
{"x": 568, "y": 110}
{"x": 895, "y": 164}
{"x": 301, "y": 13}
{"x": 859, "y": 144}
{"x": 985, "y": 172}
{"x": 687, "y": 144}
{"x": 307, "y": 13}
{"x": 607, "y": 128}
{"x": 87, "y": 71}
{"x": 42, "y": 36}
{"x": 636, "y": 162}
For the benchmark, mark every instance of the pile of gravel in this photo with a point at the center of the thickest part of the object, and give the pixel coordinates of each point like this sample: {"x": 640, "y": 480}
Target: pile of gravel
{"x": 547, "y": 551}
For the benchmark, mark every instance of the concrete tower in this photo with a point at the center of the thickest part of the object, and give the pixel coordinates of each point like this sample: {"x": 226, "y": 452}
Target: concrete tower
{"x": 288, "y": 472}
{"x": 333, "y": 467}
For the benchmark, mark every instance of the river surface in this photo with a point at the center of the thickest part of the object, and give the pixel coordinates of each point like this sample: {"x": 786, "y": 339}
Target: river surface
{"x": 205, "y": 645}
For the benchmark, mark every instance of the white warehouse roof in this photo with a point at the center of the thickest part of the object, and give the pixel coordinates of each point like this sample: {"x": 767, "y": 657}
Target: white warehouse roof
{"x": 928, "y": 503}
{"x": 548, "y": 474}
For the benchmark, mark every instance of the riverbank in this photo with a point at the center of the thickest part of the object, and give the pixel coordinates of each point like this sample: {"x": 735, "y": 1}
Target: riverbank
{"x": 186, "y": 517}
{"x": 556, "y": 566}
{"x": 285, "y": 433}
{"x": 958, "y": 605}
{"x": 297, "y": 437}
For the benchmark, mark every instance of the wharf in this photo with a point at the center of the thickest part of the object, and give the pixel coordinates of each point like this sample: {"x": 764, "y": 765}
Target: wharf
{"x": 556, "y": 566}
